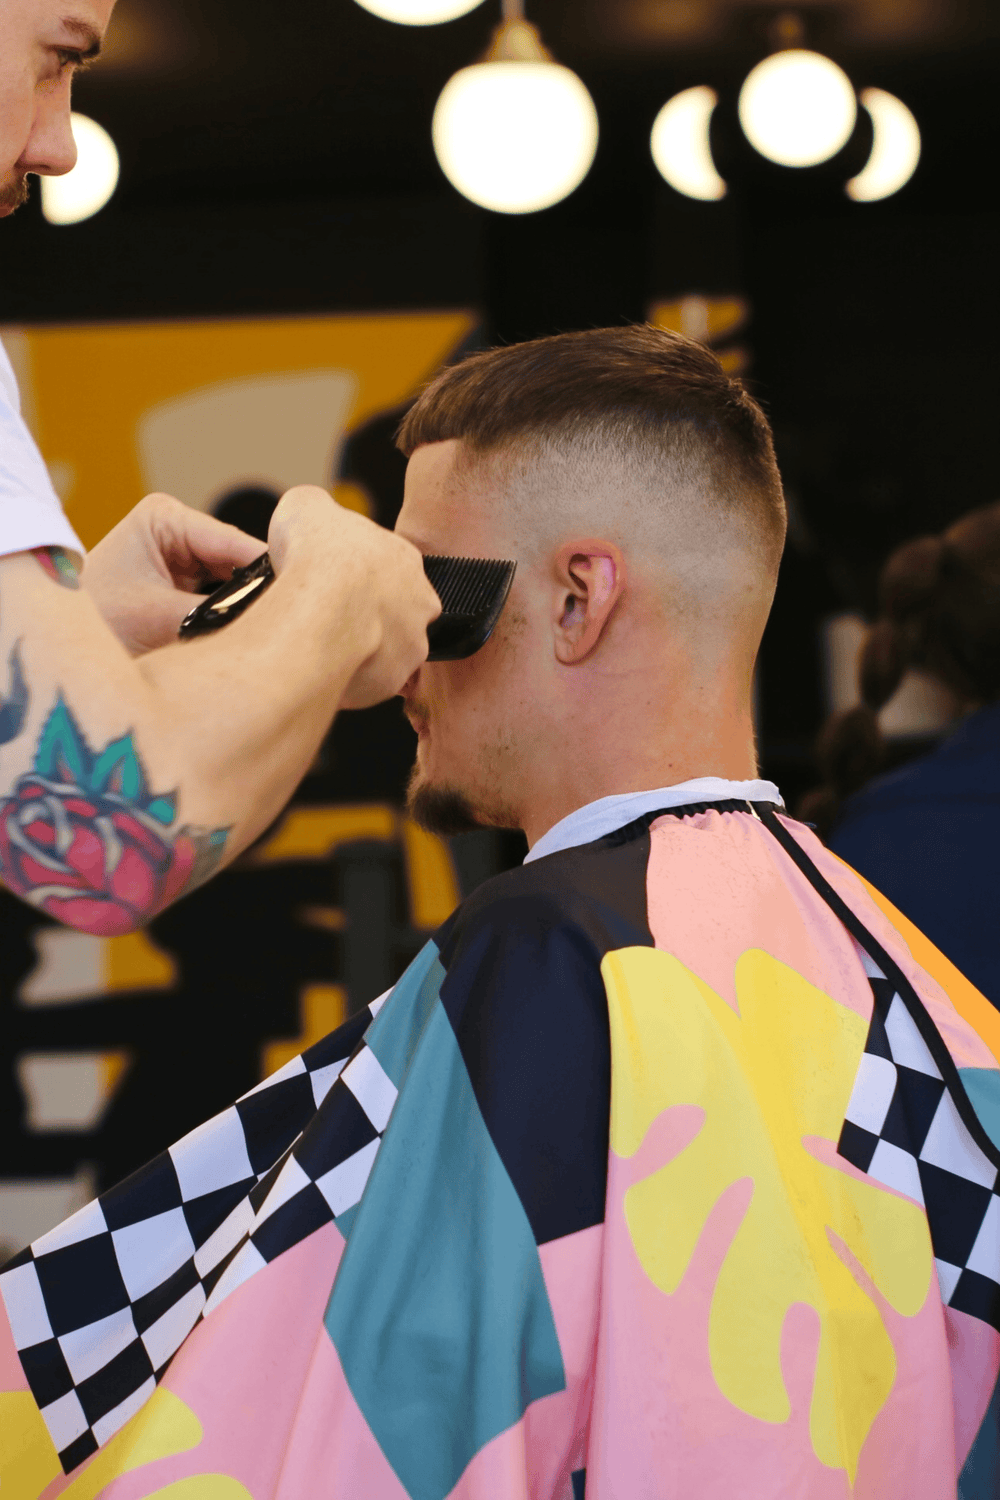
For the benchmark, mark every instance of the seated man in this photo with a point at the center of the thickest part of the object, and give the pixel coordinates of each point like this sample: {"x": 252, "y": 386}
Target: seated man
{"x": 667, "y": 1169}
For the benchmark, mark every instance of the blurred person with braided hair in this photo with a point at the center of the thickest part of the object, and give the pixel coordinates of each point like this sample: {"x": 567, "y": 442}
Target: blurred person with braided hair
{"x": 927, "y": 834}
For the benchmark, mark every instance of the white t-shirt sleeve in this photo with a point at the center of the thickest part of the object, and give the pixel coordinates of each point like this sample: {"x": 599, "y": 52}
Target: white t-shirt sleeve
{"x": 30, "y": 511}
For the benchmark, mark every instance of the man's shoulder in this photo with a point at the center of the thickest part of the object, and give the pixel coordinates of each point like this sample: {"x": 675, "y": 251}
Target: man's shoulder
{"x": 593, "y": 895}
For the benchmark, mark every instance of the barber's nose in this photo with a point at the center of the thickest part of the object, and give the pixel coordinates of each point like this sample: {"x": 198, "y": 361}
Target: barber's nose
{"x": 409, "y": 686}
{"x": 51, "y": 149}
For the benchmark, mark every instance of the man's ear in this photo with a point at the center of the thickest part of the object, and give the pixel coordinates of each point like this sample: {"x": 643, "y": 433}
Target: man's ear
{"x": 590, "y": 580}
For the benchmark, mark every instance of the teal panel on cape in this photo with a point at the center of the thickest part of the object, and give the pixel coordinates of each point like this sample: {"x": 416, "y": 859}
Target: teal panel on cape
{"x": 439, "y": 1311}
{"x": 395, "y": 1032}
{"x": 983, "y": 1088}
{"x": 978, "y": 1479}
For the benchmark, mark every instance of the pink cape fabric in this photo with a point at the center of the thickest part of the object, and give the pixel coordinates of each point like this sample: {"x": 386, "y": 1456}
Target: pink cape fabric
{"x": 643, "y": 1411}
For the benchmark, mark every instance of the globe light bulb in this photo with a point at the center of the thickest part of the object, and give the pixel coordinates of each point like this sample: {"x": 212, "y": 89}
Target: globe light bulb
{"x": 680, "y": 147}
{"x": 797, "y": 107}
{"x": 895, "y": 148}
{"x": 517, "y": 132}
{"x": 86, "y": 189}
{"x": 419, "y": 12}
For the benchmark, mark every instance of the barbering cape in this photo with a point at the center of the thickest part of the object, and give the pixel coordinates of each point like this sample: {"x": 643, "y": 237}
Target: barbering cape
{"x": 667, "y": 1171}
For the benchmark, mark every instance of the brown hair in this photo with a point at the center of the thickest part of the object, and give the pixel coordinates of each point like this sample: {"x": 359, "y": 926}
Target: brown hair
{"x": 643, "y": 392}
{"x": 939, "y": 610}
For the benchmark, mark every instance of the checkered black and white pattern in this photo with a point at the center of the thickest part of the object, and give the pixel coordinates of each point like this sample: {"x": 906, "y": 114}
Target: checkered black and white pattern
{"x": 99, "y": 1306}
{"x": 903, "y": 1129}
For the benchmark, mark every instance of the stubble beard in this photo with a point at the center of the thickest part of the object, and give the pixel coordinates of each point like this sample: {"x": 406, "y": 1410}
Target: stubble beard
{"x": 439, "y": 809}
{"x": 14, "y": 195}
{"x": 445, "y": 809}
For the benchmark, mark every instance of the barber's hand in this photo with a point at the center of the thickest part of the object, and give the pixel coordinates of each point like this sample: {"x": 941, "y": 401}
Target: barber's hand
{"x": 383, "y": 573}
{"x": 142, "y": 574}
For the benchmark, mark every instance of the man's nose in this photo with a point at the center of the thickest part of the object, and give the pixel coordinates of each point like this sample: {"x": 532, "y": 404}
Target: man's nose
{"x": 410, "y": 685}
{"x": 50, "y": 150}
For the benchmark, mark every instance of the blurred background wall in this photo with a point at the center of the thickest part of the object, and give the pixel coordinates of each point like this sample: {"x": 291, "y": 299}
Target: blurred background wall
{"x": 281, "y": 267}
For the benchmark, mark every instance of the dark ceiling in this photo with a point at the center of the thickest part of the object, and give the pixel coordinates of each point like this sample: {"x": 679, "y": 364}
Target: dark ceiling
{"x": 277, "y": 158}
{"x": 225, "y": 98}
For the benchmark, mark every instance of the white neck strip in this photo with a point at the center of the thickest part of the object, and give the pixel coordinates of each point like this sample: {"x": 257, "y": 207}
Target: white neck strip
{"x": 608, "y": 814}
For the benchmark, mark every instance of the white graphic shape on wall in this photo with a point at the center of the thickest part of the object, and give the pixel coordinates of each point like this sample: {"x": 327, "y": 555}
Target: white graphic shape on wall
{"x": 63, "y": 1091}
{"x": 71, "y": 966}
{"x": 272, "y": 432}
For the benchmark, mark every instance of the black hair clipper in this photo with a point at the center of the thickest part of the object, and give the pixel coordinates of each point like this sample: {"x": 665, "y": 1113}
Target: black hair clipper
{"x": 225, "y": 603}
{"x": 472, "y": 590}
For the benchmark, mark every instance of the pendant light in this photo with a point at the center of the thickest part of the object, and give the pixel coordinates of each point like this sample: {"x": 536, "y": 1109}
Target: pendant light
{"x": 515, "y": 132}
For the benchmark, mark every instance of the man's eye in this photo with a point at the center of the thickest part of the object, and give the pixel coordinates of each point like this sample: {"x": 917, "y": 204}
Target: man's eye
{"x": 70, "y": 57}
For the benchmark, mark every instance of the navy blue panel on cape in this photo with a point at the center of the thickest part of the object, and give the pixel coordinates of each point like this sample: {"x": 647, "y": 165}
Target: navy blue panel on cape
{"x": 525, "y": 996}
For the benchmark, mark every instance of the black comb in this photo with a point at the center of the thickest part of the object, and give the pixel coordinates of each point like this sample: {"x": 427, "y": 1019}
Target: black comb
{"x": 472, "y": 590}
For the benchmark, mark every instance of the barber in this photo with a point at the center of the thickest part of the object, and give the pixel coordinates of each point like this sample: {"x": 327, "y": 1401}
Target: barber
{"x": 131, "y": 765}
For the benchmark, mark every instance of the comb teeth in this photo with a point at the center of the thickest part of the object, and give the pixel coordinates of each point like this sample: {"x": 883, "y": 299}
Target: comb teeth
{"x": 465, "y": 585}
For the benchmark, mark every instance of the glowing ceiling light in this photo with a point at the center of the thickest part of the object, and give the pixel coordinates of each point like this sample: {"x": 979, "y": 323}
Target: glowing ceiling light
{"x": 895, "y": 149}
{"x": 516, "y": 132}
{"x": 679, "y": 143}
{"x": 86, "y": 189}
{"x": 797, "y": 107}
{"x": 419, "y": 12}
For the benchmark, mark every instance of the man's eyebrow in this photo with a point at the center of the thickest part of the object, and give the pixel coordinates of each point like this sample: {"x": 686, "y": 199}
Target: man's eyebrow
{"x": 85, "y": 33}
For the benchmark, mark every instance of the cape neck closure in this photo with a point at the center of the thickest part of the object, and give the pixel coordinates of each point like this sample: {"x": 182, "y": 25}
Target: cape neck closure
{"x": 608, "y": 814}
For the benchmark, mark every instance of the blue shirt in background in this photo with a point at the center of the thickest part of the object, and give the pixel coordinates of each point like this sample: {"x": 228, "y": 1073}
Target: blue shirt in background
{"x": 928, "y": 837}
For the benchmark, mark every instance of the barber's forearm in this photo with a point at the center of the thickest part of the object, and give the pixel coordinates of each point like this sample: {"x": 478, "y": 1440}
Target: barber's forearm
{"x": 125, "y": 783}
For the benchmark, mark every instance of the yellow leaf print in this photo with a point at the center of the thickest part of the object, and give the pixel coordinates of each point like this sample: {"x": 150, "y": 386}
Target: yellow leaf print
{"x": 203, "y": 1487}
{"x": 28, "y": 1459}
{"x": 780, "y": 1070}
{"x": 28, "y": 1462}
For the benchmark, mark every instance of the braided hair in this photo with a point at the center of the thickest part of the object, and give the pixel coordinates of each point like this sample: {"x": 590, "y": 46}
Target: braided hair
{"x": 939, "y": 610}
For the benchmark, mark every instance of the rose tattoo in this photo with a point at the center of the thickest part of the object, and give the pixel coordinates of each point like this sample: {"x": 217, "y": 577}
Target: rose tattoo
{"x": 82, "y": 838}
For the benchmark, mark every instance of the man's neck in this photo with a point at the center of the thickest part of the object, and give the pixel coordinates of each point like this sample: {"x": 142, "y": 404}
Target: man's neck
{"x": 624, "y": 768}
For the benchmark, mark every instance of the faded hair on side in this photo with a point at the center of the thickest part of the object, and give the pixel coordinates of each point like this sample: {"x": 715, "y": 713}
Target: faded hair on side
{"x": 656, "y": 399}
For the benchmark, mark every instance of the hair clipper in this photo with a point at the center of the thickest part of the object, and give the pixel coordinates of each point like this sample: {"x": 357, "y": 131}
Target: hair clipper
{"x": 472, "y": 590}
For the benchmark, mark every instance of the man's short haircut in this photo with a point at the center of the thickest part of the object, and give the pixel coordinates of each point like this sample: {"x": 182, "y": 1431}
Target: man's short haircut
{"x": 658, "y": 400}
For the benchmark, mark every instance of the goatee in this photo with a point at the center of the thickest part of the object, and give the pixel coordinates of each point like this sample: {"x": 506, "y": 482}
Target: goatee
{"x": 439, "y": 809}
{"x": 14, "y": 195}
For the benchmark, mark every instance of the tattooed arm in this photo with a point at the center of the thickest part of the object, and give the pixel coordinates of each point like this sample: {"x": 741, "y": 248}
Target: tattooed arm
{"x": 124, "y": 782}
{"x": 61, "y": 566}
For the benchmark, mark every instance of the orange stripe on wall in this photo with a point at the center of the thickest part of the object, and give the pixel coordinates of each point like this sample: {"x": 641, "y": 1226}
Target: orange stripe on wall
{"x": 971, "y": 1004}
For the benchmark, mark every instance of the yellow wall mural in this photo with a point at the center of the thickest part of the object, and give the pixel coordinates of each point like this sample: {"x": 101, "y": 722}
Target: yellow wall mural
{"x": 204, "y": 406}
{"x": 204, "y": 409}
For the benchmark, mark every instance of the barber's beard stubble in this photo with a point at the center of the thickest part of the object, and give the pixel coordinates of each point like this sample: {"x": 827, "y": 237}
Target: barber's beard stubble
{"x": 14, "y": 195}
